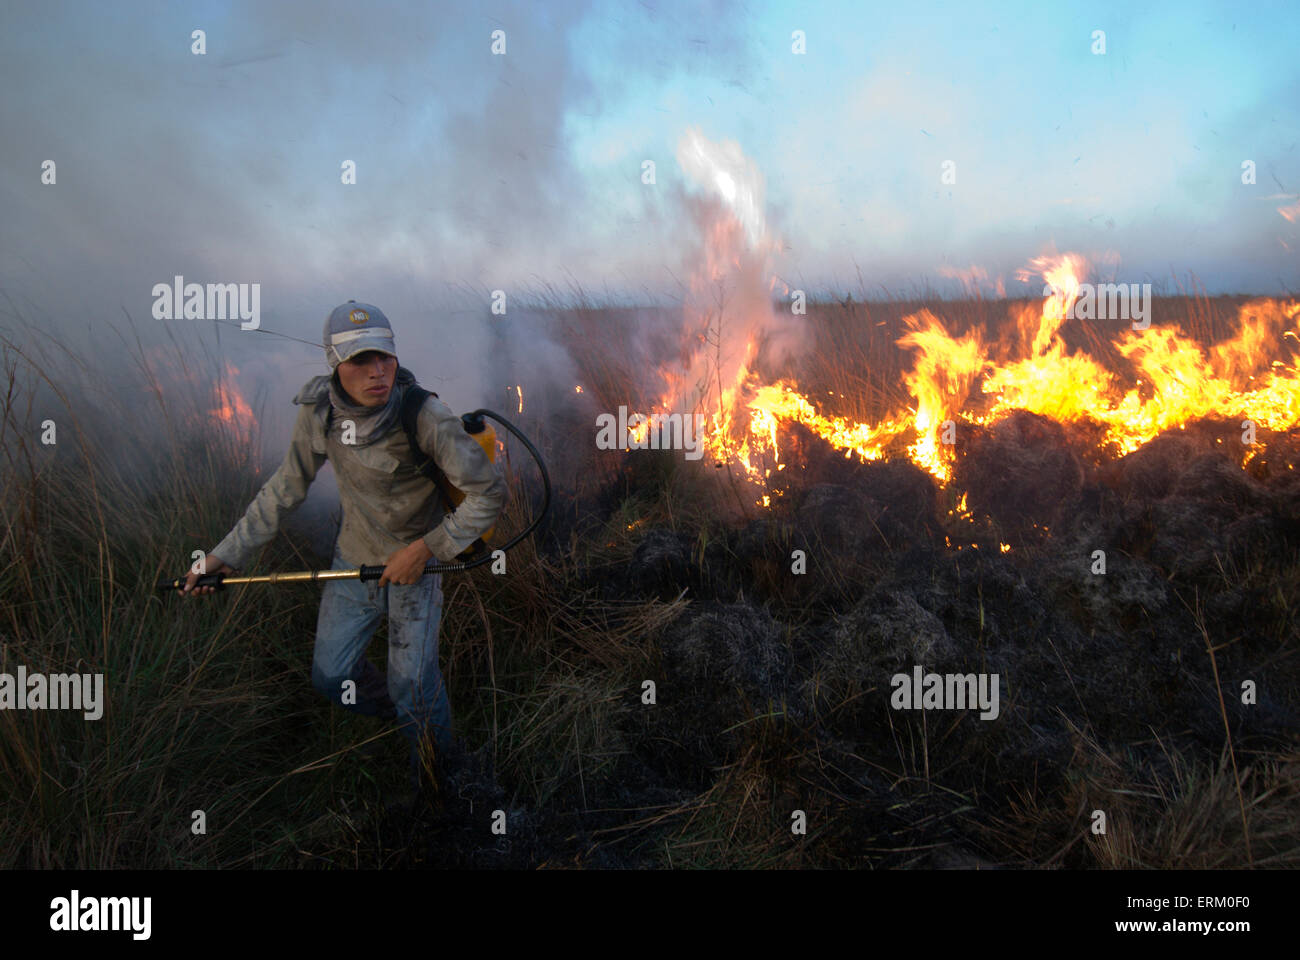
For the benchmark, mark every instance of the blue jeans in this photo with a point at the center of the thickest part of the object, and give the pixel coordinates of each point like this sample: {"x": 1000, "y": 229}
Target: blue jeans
{"x": 349, "y": 616}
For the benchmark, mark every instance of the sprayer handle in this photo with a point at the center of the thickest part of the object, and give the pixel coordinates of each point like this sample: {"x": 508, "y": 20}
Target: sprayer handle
{"x": 377, "y": 571}
{"x": 217, "y": 580}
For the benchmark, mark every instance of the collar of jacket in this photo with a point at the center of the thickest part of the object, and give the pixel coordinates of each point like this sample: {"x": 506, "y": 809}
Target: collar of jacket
{"x": 321, "y": 394}
{"x": 315, "y": 390}
{"x": 318, "y": 388}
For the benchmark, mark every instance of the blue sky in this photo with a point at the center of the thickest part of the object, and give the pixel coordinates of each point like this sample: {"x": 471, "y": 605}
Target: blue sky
{"x": 1136, "y": 151}
{"x": 478, "y": 172}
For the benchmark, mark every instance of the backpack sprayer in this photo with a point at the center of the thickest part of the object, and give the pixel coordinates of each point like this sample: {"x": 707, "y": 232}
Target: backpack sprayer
{"x": 486, "y": 438}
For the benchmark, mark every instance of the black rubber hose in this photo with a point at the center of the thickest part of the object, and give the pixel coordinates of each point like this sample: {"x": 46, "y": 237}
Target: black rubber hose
{"x": 375, "y": 572}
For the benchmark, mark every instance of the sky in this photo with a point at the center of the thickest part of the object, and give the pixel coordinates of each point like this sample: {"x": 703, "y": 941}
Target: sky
{"x": 523, "y": 171}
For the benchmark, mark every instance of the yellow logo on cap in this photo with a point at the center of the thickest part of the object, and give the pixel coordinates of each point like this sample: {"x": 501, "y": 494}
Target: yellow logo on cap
{"x": 358, "y": 316}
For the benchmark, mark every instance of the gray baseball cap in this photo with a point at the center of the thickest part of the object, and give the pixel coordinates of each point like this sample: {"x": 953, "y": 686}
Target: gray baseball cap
{"x": 353, "y": 328}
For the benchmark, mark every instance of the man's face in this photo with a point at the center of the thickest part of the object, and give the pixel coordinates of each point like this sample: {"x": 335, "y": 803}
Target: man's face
{"x": 368, "y": 377}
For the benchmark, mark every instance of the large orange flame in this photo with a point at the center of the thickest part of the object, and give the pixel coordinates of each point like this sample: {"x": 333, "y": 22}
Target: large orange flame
{"x": 954, "y": 379}
{"x": 1173, "y": 379}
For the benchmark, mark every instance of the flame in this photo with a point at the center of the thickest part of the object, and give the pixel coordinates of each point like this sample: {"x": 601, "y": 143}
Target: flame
{"x": 219, "y": 401}
{"x": 1167, "y": 378}
{"x": 954, "y": 379}
{"x": 231, "y": 407}
{"x": 1180, "y": 379}
{"x": 940, "y": 381}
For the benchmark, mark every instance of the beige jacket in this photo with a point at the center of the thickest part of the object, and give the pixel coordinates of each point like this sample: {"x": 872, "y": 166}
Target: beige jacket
{"x": 387, "y": 503}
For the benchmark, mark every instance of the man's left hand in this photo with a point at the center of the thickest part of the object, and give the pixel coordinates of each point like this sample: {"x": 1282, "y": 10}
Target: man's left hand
{"x": 406, "y": 566}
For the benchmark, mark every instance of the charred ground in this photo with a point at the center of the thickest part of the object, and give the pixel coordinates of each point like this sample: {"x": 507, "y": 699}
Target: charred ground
{"x": 773, "y": 688}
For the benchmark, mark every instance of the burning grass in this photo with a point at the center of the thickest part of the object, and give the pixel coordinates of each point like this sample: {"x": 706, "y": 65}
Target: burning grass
{"x": 1121, "y": 692}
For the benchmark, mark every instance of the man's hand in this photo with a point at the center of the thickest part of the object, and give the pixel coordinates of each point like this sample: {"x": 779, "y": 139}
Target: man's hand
{"x": 214, "y": 564}
{"x": 406, "y": 566}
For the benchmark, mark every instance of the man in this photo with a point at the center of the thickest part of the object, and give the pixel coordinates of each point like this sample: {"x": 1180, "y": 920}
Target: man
{"x": 392, "y": 514}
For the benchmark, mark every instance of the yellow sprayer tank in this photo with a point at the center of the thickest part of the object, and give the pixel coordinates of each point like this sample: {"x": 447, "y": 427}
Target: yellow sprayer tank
{"x": 481, "y": 431}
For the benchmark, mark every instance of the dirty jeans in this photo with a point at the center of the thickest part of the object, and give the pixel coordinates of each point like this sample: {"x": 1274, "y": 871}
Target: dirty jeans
{"x": 349, "y": 616}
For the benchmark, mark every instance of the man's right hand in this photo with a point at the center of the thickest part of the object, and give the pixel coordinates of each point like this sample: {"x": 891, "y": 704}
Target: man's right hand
{"x": 214, "y": 565}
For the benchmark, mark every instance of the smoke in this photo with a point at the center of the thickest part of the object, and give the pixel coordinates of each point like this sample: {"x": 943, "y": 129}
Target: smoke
{"x": 227, "y": 167}
{"x": 729, "y": 326}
